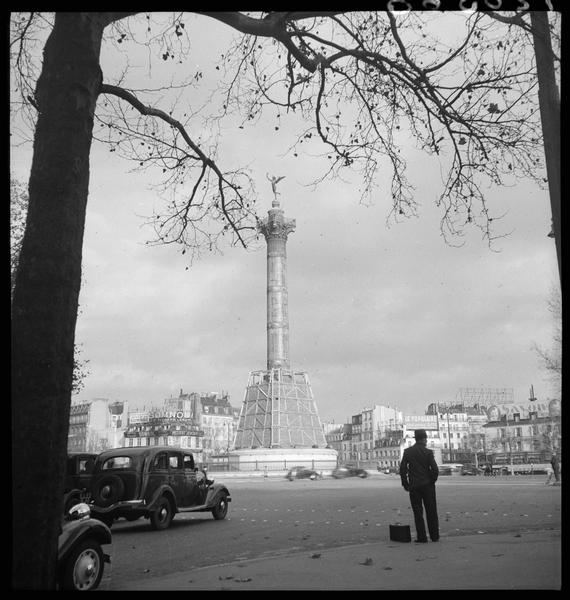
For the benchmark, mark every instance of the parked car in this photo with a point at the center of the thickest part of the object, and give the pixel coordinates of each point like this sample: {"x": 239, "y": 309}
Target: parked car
{"x": 78, "y": 472}
{"x": 80, "y": 558}
{"x": 445, "y": 470}
{"x": 349, "y": 471}
{"x": 471, "y": 469}
{"x": 153, "y": 482}
{"x": 301, "y": 472}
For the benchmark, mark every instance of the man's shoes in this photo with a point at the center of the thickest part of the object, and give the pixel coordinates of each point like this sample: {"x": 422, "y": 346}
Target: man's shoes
{"x": 420, "y": 541}
{"x": 436, "y": 539}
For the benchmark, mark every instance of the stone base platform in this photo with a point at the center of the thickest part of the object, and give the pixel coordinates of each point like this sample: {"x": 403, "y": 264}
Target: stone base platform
{"x": 282, "y": 459}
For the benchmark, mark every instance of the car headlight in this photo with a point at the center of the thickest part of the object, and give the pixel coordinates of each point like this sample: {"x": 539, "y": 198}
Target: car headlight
{"x": 79, "y": 511}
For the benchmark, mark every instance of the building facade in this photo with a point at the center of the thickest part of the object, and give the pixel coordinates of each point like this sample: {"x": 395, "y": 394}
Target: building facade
{"x": 218, "y": 421}
{"x": 524, "y": 433}
{"x": 457, "y": 433}
{"x": 203, "y": 423}
{"x": 360, "y": 443}
{"x": 164, "y": 427}
{"x": 96, "y": 425}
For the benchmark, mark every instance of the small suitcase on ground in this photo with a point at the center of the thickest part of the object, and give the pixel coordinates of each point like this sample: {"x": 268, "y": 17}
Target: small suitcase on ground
{"x": 400, "y": 533}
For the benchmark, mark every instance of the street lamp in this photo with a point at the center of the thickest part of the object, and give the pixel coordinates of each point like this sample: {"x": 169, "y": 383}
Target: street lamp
{"x": 449, "y": 435}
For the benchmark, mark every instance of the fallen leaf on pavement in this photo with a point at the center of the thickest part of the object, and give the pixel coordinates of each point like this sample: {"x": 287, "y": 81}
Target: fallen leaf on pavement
{"x": 367, "y": 561}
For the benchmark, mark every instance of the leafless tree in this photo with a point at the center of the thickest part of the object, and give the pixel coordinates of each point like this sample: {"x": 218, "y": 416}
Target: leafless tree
{"x": 360, "y": 81}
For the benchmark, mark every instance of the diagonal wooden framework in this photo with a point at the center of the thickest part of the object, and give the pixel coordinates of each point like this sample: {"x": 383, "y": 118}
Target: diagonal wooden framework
{"x": 279, "y": 411}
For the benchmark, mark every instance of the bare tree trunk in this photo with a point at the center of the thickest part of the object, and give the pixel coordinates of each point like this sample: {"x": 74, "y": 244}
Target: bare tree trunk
{"x": 550, "y": 116}
{"x": 44, "y": 309}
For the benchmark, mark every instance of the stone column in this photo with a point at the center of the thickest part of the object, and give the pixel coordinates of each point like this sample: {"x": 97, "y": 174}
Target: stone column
{"x": 275, "y": 228}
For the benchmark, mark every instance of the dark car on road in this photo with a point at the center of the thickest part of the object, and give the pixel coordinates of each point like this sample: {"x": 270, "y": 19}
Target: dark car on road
{"x": 389, "y": 470}
{"x": 301, "y": 472}
{"x": 470, "y": 469}
{"x": 78, "y": 471}
{"x": 153, "y": 482}
{"x": 349, "y": 471}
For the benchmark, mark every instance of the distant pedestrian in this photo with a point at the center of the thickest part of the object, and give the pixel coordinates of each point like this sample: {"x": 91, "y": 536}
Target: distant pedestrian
{"x": 555, "y": 467}
{"x": 550, "y": 476}
{"x": 419, "y": 472}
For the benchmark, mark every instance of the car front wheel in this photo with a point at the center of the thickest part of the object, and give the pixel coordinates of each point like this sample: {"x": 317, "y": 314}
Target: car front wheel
{"x": 220, "y": 509}
{"x": 162, "y": 516}
{"x": 84, "y": 567}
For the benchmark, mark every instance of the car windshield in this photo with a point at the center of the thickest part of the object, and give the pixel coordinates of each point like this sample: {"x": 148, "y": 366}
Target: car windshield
{"x": 117, "y": 462}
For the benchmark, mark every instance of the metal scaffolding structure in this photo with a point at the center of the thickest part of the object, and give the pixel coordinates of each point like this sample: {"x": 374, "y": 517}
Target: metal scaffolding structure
{"x": 279, "y": 411}
{"x": 470, "y": 396}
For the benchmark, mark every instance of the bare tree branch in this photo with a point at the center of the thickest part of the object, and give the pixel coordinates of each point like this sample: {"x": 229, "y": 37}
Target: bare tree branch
{"x": 199, "y": 154}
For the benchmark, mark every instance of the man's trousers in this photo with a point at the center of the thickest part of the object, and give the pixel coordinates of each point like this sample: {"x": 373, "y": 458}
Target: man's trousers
{"x": 421, "y": 497}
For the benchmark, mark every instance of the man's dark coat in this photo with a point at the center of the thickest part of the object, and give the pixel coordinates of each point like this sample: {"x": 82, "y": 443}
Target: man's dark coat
{"x": 418, "y": 467}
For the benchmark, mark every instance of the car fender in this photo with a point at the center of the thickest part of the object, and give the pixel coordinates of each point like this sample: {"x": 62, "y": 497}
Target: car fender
{"x": 75, "y": 531}
{"x": 214, "y": 490}
{"x": 163, "y": 490}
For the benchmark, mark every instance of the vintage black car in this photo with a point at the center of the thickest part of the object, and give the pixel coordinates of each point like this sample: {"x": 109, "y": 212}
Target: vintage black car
{"x": 155, "y": 483}
{"x": 349, "y": 471}
{"x": 78, "y": 472}
{"x": 300, "y": 472}
{"x": 471, "y": 469}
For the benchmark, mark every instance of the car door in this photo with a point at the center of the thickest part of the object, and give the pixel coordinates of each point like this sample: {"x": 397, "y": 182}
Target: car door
{"x": 191, "y": 489}
{"x": 177, "y": 476}
{"x": 157, "y": 474}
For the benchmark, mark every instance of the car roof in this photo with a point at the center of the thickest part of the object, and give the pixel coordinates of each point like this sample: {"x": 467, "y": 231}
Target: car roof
{"x": 139, "y": 451}
{"x": 86, "y": 454}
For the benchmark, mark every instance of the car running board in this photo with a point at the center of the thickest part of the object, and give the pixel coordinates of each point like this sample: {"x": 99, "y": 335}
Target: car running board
{"x": 201, "y": 508}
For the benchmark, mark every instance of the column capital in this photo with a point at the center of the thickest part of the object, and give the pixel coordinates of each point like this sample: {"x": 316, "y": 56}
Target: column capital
{"x": 275, "y": 225}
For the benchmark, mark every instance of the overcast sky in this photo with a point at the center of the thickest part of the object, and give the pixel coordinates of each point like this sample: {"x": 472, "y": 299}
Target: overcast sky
{"x": 378, "y": 315}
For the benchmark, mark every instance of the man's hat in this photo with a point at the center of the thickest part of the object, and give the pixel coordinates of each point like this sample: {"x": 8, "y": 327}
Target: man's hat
{"x": 420, "y": 434}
